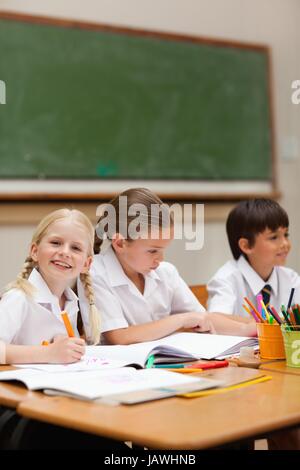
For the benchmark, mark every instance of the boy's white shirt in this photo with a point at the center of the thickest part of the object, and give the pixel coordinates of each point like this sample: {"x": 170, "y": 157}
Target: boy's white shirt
{"x": 28, "y": 320}
{"x": 121, "y": 304}
{"x": 237, "y": 279}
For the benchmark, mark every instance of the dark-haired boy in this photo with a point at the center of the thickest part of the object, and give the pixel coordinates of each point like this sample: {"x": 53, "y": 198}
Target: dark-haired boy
{"x": 258, "y": 235}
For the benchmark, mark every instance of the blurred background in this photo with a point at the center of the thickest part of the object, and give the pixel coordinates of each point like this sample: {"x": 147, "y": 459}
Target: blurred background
{"x": 274, "y": 23}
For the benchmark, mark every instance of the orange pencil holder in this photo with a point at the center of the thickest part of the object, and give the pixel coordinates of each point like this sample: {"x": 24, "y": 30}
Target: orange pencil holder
{"x": 270, "y": 341}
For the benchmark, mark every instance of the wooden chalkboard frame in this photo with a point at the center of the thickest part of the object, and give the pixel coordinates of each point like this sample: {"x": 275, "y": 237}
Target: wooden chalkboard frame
{"x": 29, "y": 193}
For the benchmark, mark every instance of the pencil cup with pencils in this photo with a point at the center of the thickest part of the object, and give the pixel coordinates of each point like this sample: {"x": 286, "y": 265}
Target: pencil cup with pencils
{"x": 291, "y": 338}
{"x": 270, "y": 341}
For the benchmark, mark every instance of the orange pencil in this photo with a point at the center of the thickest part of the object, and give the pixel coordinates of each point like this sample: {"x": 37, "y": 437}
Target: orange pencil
{"x": 252, "y": 314}
{"x": 292, "y": 317}
{"x": 185, "y": 370}
{"x": 67, "y": 324}
{"x": 254, "y": 309}
{"x": 45, "y": 343}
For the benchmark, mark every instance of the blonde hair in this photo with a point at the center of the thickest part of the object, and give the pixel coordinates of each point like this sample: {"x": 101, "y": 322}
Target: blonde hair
{"x": 22, "y": 282}
{"x": 134, "y": 196}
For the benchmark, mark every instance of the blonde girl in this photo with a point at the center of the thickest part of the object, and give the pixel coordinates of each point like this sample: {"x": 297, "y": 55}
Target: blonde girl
{"x": 30, "y": 310}
{"x": 141, "y": 297}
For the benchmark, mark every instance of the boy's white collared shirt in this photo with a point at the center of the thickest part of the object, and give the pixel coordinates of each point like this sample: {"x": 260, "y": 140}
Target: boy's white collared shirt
{"x": 237, "y": 279}
{"x": 29, "y": 321}
{"x": 120, "y": 302}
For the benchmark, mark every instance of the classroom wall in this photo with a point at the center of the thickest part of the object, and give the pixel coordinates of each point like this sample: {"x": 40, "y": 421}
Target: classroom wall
{"x": 272, "y": 22}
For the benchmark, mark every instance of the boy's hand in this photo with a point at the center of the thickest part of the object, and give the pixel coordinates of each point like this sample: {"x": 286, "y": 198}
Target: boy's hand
{"x": 65, "y": 350}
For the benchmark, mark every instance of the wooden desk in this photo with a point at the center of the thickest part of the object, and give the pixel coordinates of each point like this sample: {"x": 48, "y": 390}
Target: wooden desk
{"x": 180, "y": 423}
{"x": 11, "y": 395}
{"x": 280, "y": 366}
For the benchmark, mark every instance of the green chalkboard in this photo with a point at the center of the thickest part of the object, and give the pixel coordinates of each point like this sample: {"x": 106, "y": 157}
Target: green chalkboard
{"x": 86, "y": 103}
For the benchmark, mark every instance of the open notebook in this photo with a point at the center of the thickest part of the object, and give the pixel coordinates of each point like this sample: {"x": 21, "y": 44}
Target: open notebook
{"x": 179, "y": 347}
{"x": 124, "y": 385}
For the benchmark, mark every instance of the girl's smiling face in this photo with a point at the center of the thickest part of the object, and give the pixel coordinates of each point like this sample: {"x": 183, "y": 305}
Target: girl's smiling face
{"x": 62, "y": 253}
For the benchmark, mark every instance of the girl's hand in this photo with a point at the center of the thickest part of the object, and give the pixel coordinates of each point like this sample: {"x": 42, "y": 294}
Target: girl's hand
{"x": 65, "y": 350}
{"x": 249, "y": 329}
{"x": 198, "y": 322}
{"x": 57, "y": 338}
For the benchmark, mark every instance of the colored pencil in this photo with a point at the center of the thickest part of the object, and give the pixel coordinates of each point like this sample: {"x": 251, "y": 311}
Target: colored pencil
{"x": 274, "y": 314}
{"x": 296, "y": 314}
{"x": 184, "y": 370}
{"x": 207, "y": 365}
{"x": 292, "y": 317}
{"x": 291, "y": 298}
{"x": 251, "y": 313}
{"x": 285, "y": 315}
{"x": 264, "y": 308}
{"x": 68, "y": 325}
{"x": 169, "y": 366}
{"x": 216, "y": 391}
{"x": 259, "y": 298}
{"x": 254, "y": 309}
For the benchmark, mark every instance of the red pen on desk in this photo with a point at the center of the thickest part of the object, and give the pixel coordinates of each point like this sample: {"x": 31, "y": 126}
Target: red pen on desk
{"x": 207, "y": 365}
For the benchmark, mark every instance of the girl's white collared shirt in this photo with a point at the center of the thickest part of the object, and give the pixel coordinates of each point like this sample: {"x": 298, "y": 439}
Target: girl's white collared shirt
{"x": 120, "y": 302}
{"x": 237, "y": 279}
{"x": 28, "y": 320}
